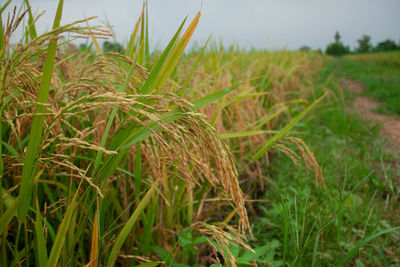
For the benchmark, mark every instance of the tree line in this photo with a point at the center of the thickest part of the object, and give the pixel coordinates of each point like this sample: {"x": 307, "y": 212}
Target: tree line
{"x": 337, "y": 48}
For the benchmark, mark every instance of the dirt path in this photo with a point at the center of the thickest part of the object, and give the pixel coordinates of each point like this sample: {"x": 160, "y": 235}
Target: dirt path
{"x": 365, "y": 107}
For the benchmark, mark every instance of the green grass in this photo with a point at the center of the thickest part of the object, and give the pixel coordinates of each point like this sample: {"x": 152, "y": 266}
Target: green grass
{"x": 318, "y": 226}
{"x": 378, "y": 72}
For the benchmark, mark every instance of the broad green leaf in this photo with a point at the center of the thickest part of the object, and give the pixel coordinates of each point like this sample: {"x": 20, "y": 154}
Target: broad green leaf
{"x": 248, "y": 256}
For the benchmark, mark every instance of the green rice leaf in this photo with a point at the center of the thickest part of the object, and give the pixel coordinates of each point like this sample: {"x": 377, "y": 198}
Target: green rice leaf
{"x": 204, "y": 101}
{"x": 176, "y": 54}
{"x": 31, "y": 22}
{"x": 240, "y": 134}
{"x": 60, "y": 239}
{"x": 26, "y": 189}
{"x": 285, "y": 130}
{"x": 39, "y": 238}
{"x": 129, "y": 224}
{"x": 155, "y": 72}
{"x": 141, "y": 38}
{"x": 8, "y": 215}
{"x": 130, "y": 51}
{"x": 4, "y": 7}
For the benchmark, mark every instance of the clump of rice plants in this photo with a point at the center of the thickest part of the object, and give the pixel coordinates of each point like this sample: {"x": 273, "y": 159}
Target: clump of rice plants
{"x": 100, "y": 164}
{"x": 271, "y": 90}
{"x": 134, "y": 157}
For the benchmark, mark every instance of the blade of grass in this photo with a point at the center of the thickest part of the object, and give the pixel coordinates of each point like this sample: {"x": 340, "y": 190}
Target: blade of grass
{"x": 363, "y": 242}
{"x": 26, "y": 189}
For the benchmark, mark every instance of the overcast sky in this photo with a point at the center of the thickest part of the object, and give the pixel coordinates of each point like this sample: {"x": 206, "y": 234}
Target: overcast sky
{"x": 250, "y": 23}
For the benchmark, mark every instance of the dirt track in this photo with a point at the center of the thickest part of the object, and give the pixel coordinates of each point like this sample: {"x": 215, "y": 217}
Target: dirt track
{"x": 365, "y": 107}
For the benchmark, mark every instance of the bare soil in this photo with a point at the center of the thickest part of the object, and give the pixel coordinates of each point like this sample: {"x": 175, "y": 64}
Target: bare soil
{"x": 365, "y": 106}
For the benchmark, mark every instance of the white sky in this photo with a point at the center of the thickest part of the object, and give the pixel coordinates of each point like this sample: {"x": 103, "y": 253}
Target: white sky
{"x": 257, "y": 23}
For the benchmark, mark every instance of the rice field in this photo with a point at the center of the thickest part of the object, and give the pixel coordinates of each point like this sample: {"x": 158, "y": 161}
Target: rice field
{"x": 155, "y": 158}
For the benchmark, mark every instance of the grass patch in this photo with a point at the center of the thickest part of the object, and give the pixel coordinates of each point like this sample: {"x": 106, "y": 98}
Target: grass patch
{"x": 378, "y": 72}
{"x": 318, "y": 226}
